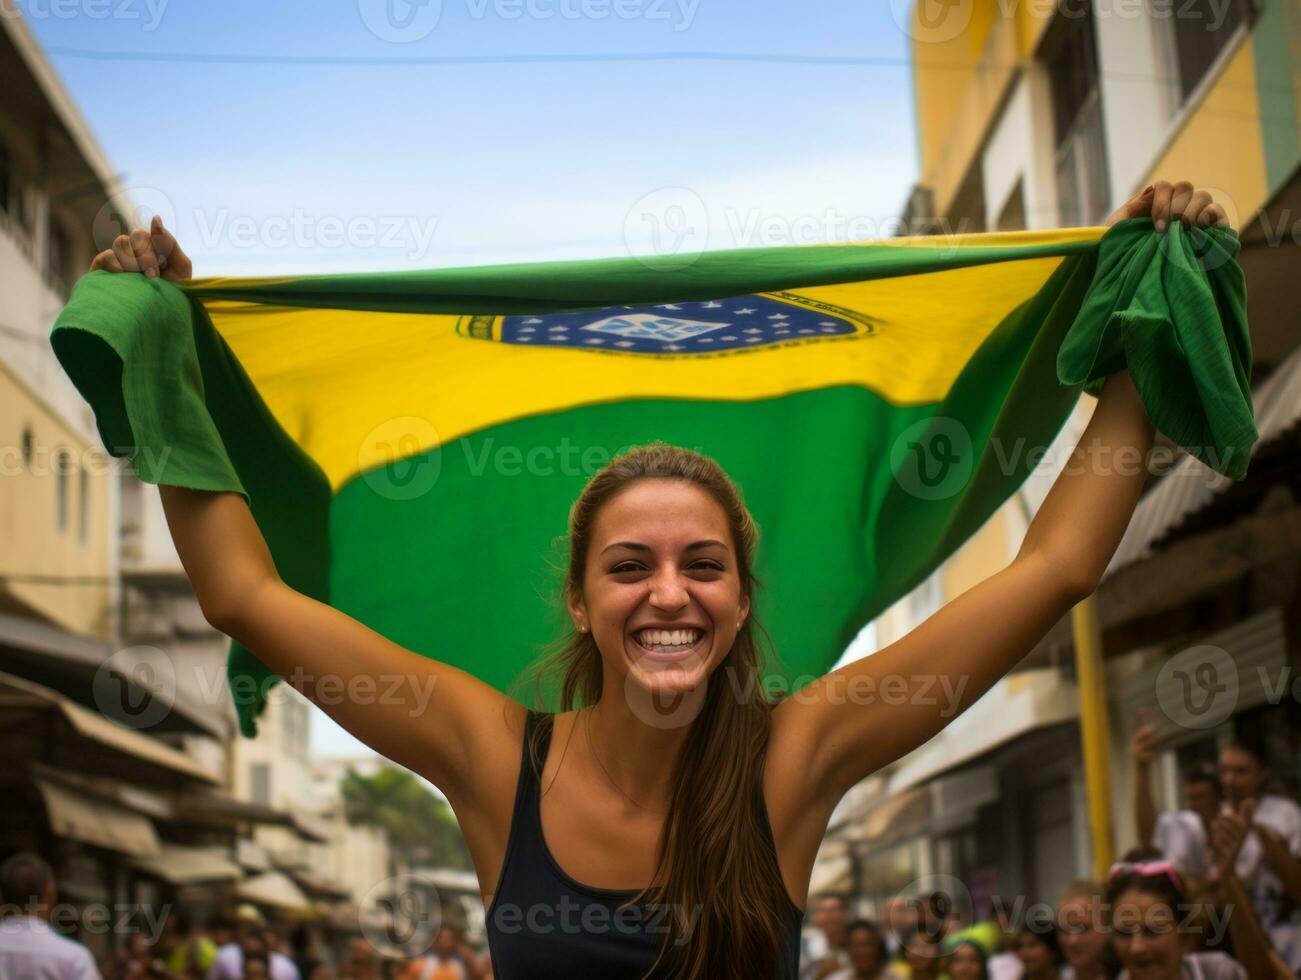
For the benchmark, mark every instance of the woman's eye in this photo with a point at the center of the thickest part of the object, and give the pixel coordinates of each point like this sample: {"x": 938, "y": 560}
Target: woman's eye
{"x": 702, "y": 565}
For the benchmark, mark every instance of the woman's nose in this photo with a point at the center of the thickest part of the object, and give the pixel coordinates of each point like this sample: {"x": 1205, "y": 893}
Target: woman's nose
{"x": 669, "y": 591}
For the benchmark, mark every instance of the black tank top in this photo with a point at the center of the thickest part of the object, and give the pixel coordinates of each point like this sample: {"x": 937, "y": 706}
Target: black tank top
{"x": 542, "y": 924}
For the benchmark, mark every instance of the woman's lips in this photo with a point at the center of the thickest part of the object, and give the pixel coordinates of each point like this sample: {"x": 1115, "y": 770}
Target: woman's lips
{"x": 669, "y": 656}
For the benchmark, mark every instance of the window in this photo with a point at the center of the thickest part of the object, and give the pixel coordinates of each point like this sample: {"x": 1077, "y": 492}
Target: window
{"x": 1197, "y": 32}
{"x": 56, "y": 256}
{"x": 8, "y": 184}
{"x": 967, "y": 212}
{"x": 27, "y": 445}
{"x": 259, "y": 783}
{"x": 63, "y": 462}
{"x": 1070, "y": 56}
{"x": 1012, "y": 217}
{"x": 295, "y": 723}
{"x": 83, "y": 505}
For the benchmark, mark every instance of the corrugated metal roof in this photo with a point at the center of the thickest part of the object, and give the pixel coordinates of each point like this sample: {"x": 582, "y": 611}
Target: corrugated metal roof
{"x": 1190, "y": 485}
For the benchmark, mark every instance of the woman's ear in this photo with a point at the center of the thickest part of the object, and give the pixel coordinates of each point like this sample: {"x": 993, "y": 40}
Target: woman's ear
{"x": 578, "y": 613}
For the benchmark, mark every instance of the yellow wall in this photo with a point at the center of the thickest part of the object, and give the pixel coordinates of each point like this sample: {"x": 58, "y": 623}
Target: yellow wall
{"x": 30, "y": 541}
{"x": 959, "y": 83}
{"x": 1227, "y": 116}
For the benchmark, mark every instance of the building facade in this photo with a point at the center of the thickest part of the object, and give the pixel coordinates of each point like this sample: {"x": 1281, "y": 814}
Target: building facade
{"x": 1052, "y": 114}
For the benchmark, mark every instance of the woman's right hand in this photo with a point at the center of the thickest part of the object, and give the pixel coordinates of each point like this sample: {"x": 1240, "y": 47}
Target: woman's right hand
{"x": 153, "y": 252}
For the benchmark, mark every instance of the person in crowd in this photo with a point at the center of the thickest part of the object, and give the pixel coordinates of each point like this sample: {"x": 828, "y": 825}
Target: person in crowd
{"x": 190, "y": 952}
{"x": 868, "y": 956}
{"x": 1148, "y": 903}
{"x": 825, "y": 937}
{"x": 938, "y": 916}
{"x": 360, "y": 962}
{"x": 900, "y": 921}
{"x": 450, "y": 958}
{"x": 1180, "y": 835}
{"x": 1082, "y": 932}
{"x": 223, "y": 933}
{"x": 967, "y": 961}
{"x": 1040, "y": 952}
{"x": 141, "y": 960}
{"x": 923, "y": 958}
{"x": 257, "y": 966}
{"x": 1002, "y": 962}
{"x": 987, "y": 933}
{"x": 249, "y": 937}
{"x": 1270, "y": 860}
{"x": 304, "y": 951}
{"x": 29, "y": 946}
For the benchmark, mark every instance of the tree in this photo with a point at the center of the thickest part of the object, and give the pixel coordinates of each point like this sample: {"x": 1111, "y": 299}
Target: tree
{"x": 420, "y": 826}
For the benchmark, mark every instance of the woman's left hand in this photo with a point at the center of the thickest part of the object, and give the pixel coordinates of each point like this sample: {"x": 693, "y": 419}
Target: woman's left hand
{"x": 1164, "y": 202}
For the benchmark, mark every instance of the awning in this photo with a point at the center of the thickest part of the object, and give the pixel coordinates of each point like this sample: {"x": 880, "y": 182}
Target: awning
{"x": 92, "y": 821}
{"x": 1018, "y": 704}
{"x": 1190, "y": 486}
{"x": 318, "y": 887}
{"x": 251, "y": 856}
{"x": 72, "y": 665}
{"x": 188, "y": 865}
{"x": 309, "y": 829}
{"x": 832, "y": 869}
{"x": 215, "y": 807}
{"x": 276, "y": 890}
{"x": 448, "y": 880}
{"x": 138, "y": 799}
{"x": 15, "y": 691}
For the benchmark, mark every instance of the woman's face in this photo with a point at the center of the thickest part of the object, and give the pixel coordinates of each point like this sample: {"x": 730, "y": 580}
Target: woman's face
{"x": 1035, "y": 955}
{"x": 661, "y": 555}
{"x": 864, "y": 948}
{"x": 965, "y": 964}
{"x": 1146, "y": 936}
{"x": 1082, "y": 938}
{"x": 923, "y": 956}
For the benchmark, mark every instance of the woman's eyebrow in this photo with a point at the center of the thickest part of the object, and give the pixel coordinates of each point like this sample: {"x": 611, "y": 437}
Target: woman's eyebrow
{"x": 634, "y": 546}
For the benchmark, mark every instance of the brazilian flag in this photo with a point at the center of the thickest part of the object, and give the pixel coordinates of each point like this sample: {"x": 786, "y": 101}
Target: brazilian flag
{"x": 410, "y": 443}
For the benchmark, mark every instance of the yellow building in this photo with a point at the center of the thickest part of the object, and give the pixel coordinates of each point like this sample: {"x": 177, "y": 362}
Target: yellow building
{"x": 56, "y": 499}
{"x": 1039, "y": 115}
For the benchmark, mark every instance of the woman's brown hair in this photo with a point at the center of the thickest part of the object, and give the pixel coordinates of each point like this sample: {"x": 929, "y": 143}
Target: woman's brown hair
{"x": 713, "y": 854}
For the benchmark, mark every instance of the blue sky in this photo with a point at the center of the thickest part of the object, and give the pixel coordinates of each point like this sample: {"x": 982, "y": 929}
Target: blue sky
{"x": 311, "y": 137}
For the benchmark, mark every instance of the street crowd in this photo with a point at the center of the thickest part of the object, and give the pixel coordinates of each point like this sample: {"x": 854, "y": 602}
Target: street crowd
{"x": 1214, "y": 893}
{"x": 244, "y": 946}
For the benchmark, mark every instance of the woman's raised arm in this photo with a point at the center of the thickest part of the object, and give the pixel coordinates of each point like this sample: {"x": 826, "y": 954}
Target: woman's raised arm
{"x": 867, "y": 714}
{"x": 435, "y": 719}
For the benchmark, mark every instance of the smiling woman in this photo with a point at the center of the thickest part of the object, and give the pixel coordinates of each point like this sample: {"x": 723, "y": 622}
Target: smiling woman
{"x": 673, "y": 831}
{"x": 659, "y": 587}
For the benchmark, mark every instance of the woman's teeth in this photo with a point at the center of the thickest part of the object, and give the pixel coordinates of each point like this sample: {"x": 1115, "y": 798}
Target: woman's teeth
{"x": 668, "y": 641}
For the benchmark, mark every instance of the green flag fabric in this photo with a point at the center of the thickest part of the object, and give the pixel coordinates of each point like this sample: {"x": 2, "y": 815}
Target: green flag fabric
{"x": 410, "y": 443}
